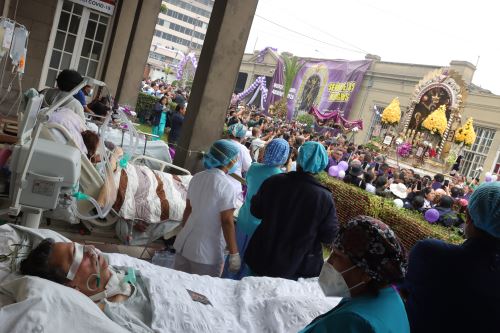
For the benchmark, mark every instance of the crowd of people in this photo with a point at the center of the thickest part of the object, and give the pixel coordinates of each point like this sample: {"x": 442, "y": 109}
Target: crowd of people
{"x": 263, "y": 173}
{"x": 366, "y": 169}
{"x": 168, "y": 112}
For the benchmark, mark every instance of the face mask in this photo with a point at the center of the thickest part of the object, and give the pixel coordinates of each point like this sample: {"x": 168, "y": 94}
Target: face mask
{"x": 233, "y": 169}
{"x": 90, "y": 93}
{"x": 332, "y": 282}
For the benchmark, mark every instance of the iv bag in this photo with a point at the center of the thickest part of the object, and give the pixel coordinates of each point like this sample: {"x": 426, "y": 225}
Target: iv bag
{"x": 6, "y": 30}
{"x": 18, "y": 45}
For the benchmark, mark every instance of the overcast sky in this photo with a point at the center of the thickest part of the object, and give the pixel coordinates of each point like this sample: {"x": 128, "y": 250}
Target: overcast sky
{"x": 430, "y": 32}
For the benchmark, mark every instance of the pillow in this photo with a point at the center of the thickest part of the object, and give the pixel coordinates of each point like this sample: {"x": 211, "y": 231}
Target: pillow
{"x": 45, "y": 306}
{"x": 20, "y": 240}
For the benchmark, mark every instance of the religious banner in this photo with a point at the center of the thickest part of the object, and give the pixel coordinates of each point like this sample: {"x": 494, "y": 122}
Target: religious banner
{"x": 276, "y": 88}
{"x": 330, "y": 85}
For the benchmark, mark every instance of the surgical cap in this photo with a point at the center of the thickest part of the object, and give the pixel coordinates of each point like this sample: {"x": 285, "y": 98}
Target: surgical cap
{"x": 484, "y": 208}
{"x": 237, "y": 130}
{"x": 312, "y": 157}
{"x": 220, "y": 154}
{"x": 372, "y": 246}
{"x": 276, "y": 152}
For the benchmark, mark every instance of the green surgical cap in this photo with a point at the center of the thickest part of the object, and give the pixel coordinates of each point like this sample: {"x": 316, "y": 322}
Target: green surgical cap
{"x": 221, "y": 153}
{"x": 484, "y": 208}
{"x": 312, "y": 157}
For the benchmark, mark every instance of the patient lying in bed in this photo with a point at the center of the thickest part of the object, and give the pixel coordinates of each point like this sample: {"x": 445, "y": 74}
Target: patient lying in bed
{"x": 139, "y": 193}
{"x": 118, "y": 291}
{"x": 164, "y": 300}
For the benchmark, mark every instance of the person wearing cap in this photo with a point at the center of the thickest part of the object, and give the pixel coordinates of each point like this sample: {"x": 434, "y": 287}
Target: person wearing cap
{"x": 355, "y": 175}
{"x": 275, "y": 155}
{"x": 455, "y": 288}
{"x": 366, "y": 261}
{"x": 237, "y": 133}
{"x": 207, "y": 223}
{"x": 298, "y": 214}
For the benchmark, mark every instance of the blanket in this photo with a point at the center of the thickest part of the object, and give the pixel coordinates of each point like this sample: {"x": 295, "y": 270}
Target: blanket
{"x": 150, "y": 195}
{"x": 254, "y": 304}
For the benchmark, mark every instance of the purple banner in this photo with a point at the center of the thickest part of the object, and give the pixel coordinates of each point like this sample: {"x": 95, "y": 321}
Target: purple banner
{"x": 337, "y": 118}
{"x": 276, "y": 87}
{"x": 326, "y": 84}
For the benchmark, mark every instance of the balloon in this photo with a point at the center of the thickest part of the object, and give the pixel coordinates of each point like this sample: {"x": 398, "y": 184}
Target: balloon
{"x": 488, "y": 179}
{"x": 341, "y": 174}
{"x": 494, "y": 178}
{"x": 431, "y": 215}
{"x": 488, "y": 174}
{"x": 399, "y": 203}
{"x": 343, "y": 165}
{"x": 333, "y": 171}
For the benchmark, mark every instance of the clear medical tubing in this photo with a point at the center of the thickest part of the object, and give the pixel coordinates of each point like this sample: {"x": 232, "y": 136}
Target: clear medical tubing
{"x": 101, "y": 212}
{"x": 133, "y": 138}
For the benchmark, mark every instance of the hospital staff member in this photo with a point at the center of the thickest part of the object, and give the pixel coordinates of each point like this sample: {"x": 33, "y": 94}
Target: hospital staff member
{"x": 207, "y": 223}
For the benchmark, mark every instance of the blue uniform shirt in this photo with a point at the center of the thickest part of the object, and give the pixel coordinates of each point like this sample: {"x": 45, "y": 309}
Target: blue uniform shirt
{"x": 384, "y": 313}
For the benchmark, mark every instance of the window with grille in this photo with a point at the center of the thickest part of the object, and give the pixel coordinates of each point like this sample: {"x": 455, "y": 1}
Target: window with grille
{"x": 475, "y": 156}
{"x": 78, "y": 43}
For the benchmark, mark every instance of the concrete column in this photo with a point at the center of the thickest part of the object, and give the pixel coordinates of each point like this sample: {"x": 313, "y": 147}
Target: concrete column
{"x": 215, "y": 78}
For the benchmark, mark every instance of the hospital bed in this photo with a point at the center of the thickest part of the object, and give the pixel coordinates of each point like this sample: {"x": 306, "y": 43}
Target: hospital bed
{"x": 48, "y": 168}
{"x": 91, "y": 182}
{"x": 254, "y": 304}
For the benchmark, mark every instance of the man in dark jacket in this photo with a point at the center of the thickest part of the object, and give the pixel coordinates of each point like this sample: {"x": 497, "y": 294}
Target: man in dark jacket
{"x": 298, "y": 214}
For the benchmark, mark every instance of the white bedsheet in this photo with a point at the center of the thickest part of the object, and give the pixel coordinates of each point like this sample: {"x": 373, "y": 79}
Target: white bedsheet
{"x": 254, "y": 304}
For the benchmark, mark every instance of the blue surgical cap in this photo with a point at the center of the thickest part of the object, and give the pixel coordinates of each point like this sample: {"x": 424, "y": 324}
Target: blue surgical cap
{"x": 237, "y": 130}
{"x": 484, "y": 208}
{"x": 220, "y": 154}
{"x": 312, "y": 157}
{"x": 276, "y": 152}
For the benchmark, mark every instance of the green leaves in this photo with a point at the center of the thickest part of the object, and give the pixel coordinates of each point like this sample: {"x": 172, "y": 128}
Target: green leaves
{"x": 292, "y": 66}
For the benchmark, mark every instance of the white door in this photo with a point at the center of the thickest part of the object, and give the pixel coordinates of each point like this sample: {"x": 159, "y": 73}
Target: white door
{"x": 78, "y": 43}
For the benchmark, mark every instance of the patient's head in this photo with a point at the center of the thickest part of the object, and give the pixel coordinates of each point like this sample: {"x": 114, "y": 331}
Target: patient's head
{"x": 91, "y": 141}
{"x": 52, "y": 261}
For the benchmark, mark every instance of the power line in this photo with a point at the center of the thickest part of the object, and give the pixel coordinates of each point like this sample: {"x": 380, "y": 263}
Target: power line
{"x": 309, "y": 37}
{"x": 329, "y": 34}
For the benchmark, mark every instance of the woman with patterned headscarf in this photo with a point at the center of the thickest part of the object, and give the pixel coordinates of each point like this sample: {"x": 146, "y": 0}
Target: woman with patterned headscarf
{"x": 275, "y": 155}
{"x": 367, "y": 258}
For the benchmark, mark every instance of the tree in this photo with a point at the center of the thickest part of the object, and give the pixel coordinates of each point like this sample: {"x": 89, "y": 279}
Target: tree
{"x": 292, "y": 66}
{"x": 163, "y": 8}
{"x": 168, "y": 71}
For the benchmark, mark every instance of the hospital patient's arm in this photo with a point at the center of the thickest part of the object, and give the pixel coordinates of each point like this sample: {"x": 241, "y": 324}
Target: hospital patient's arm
{"x": 227, "y": 223}
{"x": 187, "y": 212}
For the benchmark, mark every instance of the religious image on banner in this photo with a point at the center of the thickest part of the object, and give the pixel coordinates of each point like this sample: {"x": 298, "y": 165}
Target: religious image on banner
{"x": 329, "y": 85}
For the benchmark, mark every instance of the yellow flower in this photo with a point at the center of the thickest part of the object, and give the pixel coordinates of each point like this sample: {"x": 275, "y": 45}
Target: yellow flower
{"x": 436, "y": 122}
{"x": 466, "y": 133}
{"x": 392, "y": 113}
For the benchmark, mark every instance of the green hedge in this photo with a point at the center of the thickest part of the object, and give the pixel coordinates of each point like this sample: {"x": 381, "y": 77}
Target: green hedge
{"x": 144, "y": 106}
{"x": 408, "y": 225}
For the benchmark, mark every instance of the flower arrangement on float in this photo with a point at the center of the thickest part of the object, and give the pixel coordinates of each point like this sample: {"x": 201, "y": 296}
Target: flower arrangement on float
{"x": 466, "y": 133}
{"x": 392, "y": 113}
{"x": 404, "y": 149}
{"x": 436, "y": 122}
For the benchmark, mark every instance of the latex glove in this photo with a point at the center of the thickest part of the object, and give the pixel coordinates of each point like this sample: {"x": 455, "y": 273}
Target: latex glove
{"x": 234, "y": 262}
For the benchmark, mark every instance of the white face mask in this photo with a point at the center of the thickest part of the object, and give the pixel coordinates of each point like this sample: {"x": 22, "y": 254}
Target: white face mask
{"x": 333, "y": 283}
